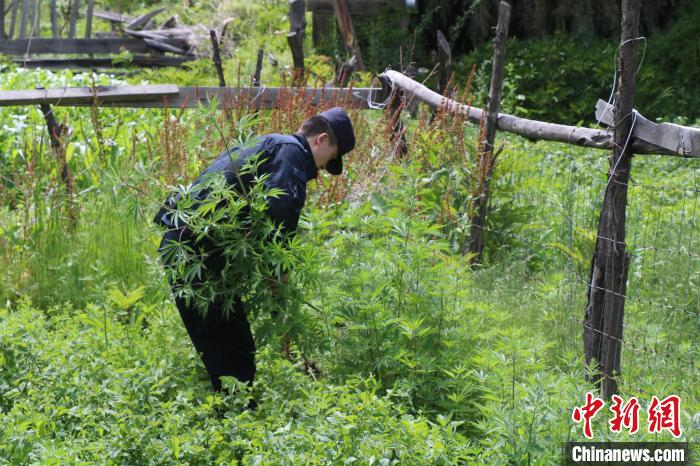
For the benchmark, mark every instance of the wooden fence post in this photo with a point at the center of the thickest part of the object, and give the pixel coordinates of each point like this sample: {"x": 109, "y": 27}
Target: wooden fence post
{"x": 57, "y": 136}
{"x": 74, "y": 11}
{"x": 295, "y": 38}
{"x": 256, "y": 76}
{"x": 54, "y": 19}
{"x": 444, "y": 55}
{"x": 88, "y": 19}
{"x": 343, "y": 72}
{"x": 395, "y": 96}
{"x": 347, "y": 30}
{"x": 258, "y": 68}
{"x": 13, "y": 19}
{"x": 216, "y": 58}
{"x": 604, "y": 315}
{"x": 23, "y": 23}
{"x": 482, "y": 179}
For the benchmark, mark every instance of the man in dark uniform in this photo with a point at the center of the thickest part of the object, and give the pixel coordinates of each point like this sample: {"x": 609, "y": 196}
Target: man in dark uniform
{"x": 224, "y": 340}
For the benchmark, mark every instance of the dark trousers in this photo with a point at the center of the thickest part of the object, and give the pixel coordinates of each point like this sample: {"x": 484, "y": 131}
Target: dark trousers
{"x": 223, "y": 341}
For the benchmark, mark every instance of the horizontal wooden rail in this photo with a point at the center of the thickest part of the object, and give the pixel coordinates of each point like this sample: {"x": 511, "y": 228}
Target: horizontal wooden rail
{"x": 101, "y": 62}
{"x": 171, "y": 96}
{"x": 71, "y": 46}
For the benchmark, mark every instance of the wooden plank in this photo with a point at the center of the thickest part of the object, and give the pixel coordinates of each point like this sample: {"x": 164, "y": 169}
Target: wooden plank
{"x": 74, "y": 10}
{"x": 676, "y": 138}
{"x": 141, "y": 21}
{"x": 23, "y": 23}
{"x": 88, "y": 19}
{"x": 182, "y": 33}
{"x": 162, "y": 46}
{"x": 112, "y": 17}
{"x": 482, "y": 188}
{"x": 100, "y": 62}
{"x": 74, "y": 95}
{"x": 160, "y": 96}
{"x": 533, "y": 129}
{"x": 72, "y": 46}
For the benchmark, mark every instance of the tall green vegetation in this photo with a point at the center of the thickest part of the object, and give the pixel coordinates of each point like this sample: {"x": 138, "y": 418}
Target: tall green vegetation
{"x": 400, "y": 352}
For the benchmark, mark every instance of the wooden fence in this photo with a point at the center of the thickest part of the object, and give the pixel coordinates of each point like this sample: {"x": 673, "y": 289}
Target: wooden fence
{"x": 24, "y": 36}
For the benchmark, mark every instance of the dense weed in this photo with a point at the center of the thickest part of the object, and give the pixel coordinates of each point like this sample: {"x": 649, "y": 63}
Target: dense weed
{"x": 420, "y": 359}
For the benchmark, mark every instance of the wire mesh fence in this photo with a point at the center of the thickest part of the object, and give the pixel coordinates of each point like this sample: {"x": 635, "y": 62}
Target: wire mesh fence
{"x": 543, "y": 218}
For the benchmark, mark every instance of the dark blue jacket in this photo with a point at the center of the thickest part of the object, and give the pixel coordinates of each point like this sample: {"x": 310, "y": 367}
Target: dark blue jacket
{"x": 290, "y": 164}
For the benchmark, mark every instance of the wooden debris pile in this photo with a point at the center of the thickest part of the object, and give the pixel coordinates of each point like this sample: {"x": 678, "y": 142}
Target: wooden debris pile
{"x": 171, "y": 36}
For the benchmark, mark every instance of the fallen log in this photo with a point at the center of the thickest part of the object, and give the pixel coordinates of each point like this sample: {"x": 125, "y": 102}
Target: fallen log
{"x": 532, "y": 129}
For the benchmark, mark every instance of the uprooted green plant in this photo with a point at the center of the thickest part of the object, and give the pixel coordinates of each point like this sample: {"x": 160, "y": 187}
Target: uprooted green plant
{"x": 229, "y": 248}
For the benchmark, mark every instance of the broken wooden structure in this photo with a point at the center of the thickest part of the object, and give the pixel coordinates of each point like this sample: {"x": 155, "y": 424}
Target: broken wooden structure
{"x": 53, "y": 44}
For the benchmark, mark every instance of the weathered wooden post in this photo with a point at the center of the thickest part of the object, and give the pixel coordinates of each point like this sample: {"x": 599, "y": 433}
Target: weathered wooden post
{"x": 216, "y": 57}
{"x": 25, "y": 16}
{"x": 54, "y": 19}
{"x": 88, "y": 18}
{"x": 603, "y": 321}
{"x": 482, "y": 179}
{"x": 2, "y": 19}
{"x": 74, "y": 11}
{"x": 395, "y": 97}
{"x": 343, "y": 72}
{"x": 295, "y": 38}
{"x": 57, "y": 136}
{"x": 258, "y": 68}
{"x": 256, "y": 76}
{"x": 347, "y": 30}
{"x": 444, "y": 55}
{"x": 13, "y": 19}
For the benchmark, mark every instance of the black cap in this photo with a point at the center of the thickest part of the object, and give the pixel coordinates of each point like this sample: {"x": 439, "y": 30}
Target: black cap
{"x": 339, "y": 122}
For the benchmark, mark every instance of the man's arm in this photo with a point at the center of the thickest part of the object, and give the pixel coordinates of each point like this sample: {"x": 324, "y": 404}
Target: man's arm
{"x": 287, "y": 173}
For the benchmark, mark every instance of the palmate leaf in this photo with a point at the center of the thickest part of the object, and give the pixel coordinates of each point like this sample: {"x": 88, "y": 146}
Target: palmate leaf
{"x": 244, "y": 245}
{"x": 125, "y": 300}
